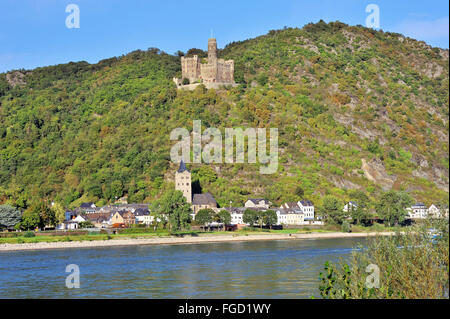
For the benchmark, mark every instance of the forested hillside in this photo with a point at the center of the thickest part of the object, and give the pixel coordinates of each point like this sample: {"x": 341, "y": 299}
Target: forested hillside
{"x": 355, "y": 109}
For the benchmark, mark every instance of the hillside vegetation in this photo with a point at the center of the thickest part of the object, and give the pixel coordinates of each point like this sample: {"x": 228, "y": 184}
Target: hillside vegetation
{"x": 355, "y": 109}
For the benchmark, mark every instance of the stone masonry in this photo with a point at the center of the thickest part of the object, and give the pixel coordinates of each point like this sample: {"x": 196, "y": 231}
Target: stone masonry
{"x": 212, "y": 74}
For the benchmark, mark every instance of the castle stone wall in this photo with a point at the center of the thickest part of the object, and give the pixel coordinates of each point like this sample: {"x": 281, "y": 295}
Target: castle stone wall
{"x": 216, "y": 70}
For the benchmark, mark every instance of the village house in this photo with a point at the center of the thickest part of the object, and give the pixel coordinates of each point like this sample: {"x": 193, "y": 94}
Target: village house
{"x": 125, "y": 218}
{"x": 350, "y": 206}
{"x": 417, "y": 211}
{"x": 291, "y": 205}
{"x": 87, "y": 208}
{"x": 143, "y": 216}
{"x": 434, "y": 212}
{"x": 99, "y": 220}
{"x": 307, "y": 208}
{"x": 257, "y": 203}
{"x": 237, "y": 215}
{"x": 290, "y": 217}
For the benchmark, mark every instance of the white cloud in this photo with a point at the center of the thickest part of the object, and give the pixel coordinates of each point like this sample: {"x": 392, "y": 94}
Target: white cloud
{"x": 424, "y": 30}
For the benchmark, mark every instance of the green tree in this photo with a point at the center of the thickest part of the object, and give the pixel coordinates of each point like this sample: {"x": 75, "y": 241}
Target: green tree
{"x": 270, "y": 218}
{"x": 250, "y": 217}
{"x": 360, "y": 214}
{"x": 30, "y": 219}
{"x": 392, "y": 205}
{"x": 173, "y": 207}
{"x": 9, "y": 216}
{"x": 224, "y": 217}
{"x": 333, "y": 210}
{"x": 205, "y": 216}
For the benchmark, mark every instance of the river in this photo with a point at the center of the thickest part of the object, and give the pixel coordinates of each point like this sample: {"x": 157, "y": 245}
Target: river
{"x": 263, "y": 269}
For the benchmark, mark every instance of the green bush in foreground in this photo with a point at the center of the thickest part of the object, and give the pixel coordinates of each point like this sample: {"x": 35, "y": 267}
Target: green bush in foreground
{"x": 29, "y": 234}
{"x": 412, "y": 265}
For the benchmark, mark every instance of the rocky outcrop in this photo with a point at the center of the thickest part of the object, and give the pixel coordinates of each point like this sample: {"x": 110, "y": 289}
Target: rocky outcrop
{"x": 375, "y": 172}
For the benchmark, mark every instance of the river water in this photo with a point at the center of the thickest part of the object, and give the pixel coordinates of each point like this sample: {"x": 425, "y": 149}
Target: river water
{"x": 263, "y": 269}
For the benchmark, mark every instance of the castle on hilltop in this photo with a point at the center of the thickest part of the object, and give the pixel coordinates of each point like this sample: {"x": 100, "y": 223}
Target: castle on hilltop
{"x": 214, "y": 73}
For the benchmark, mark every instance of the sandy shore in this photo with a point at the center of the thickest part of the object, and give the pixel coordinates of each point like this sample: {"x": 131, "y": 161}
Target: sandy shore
{"x": 178, "y": 240}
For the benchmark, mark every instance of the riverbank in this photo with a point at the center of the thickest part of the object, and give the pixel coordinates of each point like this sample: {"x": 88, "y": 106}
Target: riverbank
{"x": 180, "y": 240}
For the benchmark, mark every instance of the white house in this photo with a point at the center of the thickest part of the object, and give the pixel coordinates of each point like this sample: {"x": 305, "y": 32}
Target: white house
{"x": 79, "y": 219}
{"x": 350, "y": 206}
{"x": 287, "y": 216}
{"x": 434, "y": 212}
{"x": 417, "y": 211}
{"x": 68, "y": 225}
{"x": 257, "y": 203}
{"x": 143, "y": 216}
{"x": 237, "y": 215}
{"x": 307, "y": 208}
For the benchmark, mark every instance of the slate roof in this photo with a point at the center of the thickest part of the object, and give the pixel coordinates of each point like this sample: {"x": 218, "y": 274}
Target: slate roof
{"x": 290, "y": 205}
{"x": 306, "y": 203}
{"x": 284, "y": 211}
{"x": 182, "y": 167}
{"x": 141, "y": 212}
{"x": 258, "y": 200}
{"x": 97, "y": 217}
{"x": 86, "y": 205}
{"x": 204, "y": 199}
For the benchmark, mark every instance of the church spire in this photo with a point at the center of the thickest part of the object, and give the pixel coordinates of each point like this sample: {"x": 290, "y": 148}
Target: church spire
{"x": 182, "y": 167}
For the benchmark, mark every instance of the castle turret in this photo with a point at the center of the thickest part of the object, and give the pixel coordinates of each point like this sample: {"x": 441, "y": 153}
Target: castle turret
{"x": 212, "y": 50}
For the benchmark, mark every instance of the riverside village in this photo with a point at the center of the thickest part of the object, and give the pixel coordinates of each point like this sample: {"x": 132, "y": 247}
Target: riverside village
{"x": 288, "y": 215}
{"x": 204, "y": 211}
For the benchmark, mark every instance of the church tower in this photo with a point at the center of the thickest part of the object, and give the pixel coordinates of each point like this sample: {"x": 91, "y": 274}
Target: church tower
{"x": 183, "y": 181}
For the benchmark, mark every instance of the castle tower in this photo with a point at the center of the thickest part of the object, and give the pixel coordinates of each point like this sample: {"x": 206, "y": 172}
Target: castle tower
{"x": 212, "y": 51}
{"x": 183, "y": 181}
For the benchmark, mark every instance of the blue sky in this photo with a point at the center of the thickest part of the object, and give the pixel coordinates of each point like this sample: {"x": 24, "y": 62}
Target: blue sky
{"x": 33, "y": 32}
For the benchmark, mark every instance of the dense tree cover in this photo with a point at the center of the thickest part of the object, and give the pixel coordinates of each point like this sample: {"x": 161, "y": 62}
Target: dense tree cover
{"x": 338, "y": 94}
